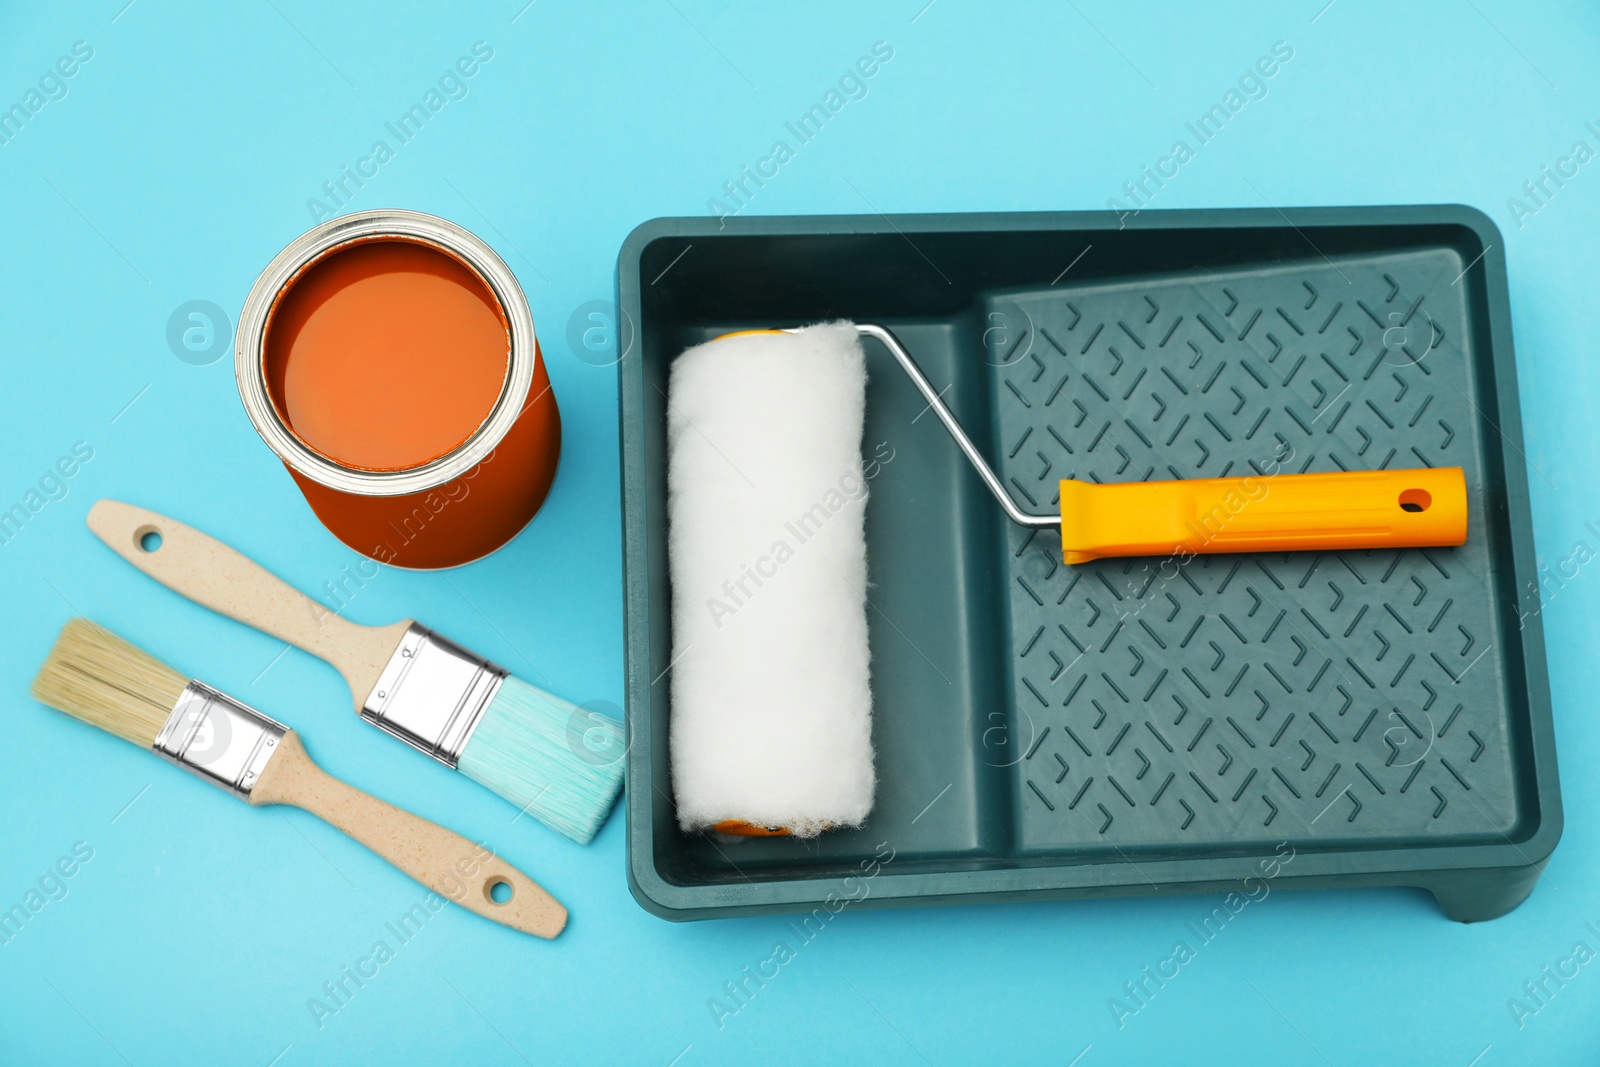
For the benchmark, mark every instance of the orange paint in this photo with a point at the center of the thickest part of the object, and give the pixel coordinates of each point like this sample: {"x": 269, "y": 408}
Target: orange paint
{"x": 738, "y": 827}
{"x": 464, "y": 519}
{"x": 385, "y": 354}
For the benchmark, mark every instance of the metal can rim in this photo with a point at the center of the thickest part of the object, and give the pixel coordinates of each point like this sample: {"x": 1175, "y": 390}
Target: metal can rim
{"x": 249, "y": 359}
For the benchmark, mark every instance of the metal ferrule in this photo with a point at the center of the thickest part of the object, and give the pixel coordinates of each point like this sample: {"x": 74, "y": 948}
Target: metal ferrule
{"x": 215, "y": 737}
{"x": 432, "y": 694}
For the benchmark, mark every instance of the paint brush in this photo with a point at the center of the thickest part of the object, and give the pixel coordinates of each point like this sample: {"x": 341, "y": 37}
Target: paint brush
{"x": 96, "y": 676}
{"x": 553, "y": 759}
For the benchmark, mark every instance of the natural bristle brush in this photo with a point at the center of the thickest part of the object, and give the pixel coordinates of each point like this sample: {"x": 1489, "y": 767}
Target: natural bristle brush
{"x": 547, "y": 756}
{"x": 1274, "y": 512}
{"x": 96, "y": 676}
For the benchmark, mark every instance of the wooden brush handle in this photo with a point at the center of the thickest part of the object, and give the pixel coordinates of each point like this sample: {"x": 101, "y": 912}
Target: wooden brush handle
{"x": 445, "y": 862}
{"x": 210, "y": 573}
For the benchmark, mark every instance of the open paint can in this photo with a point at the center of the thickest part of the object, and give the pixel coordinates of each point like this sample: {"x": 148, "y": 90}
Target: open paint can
{"x": 389, "y": 359}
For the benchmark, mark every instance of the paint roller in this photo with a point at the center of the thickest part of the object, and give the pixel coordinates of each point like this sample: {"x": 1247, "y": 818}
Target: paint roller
{"x": 771, "y": 703}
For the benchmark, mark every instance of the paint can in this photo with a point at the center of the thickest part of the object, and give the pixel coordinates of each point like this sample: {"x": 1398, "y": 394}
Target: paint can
{"x": 365, "y": 352}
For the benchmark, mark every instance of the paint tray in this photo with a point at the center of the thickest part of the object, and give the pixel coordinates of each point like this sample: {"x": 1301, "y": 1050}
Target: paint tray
{"x": 1131, "y": 726}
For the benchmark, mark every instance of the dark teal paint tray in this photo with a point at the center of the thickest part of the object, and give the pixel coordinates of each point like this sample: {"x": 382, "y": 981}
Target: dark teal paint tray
{"x": 1131, "y": 726}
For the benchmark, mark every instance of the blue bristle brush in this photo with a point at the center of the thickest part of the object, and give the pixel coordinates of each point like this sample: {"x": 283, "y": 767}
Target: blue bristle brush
{"x": 554, "y": 760}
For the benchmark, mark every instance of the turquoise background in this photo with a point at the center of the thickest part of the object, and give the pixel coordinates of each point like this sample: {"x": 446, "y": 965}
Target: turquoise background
{"x": 181, "y": 159}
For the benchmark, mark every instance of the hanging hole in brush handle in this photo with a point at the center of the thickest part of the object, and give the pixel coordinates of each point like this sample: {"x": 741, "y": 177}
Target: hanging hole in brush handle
{"x": 210, "y": 573}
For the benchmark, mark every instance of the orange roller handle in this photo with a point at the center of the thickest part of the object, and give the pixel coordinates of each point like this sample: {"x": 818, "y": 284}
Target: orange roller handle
{"x": 1264, "y": 513}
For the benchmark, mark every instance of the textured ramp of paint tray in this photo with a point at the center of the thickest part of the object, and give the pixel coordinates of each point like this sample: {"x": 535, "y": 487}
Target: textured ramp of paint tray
{"x": 1250, "y": 698}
